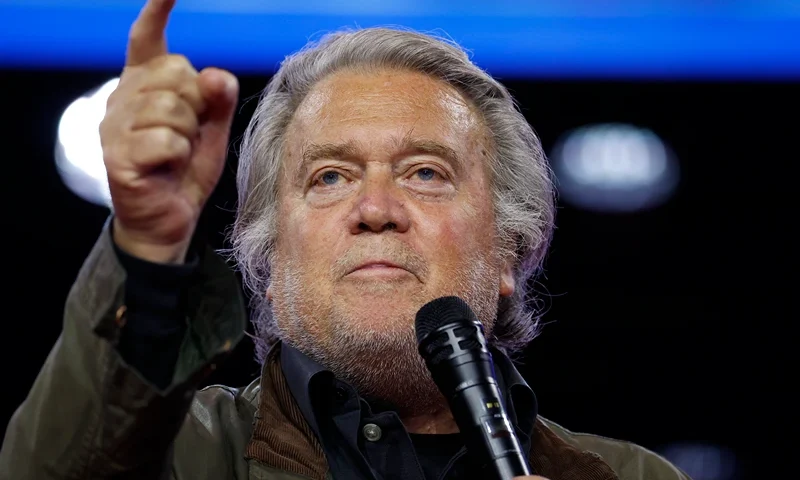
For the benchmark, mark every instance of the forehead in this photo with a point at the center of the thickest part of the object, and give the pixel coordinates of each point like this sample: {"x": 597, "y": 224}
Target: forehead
{"x": 386, "y": 104}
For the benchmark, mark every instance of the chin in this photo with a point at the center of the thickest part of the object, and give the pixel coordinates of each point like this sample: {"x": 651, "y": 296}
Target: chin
{"x": 378, "y": 319}
{"x": 371, "y": 322}
{"x": 379, "y": 297}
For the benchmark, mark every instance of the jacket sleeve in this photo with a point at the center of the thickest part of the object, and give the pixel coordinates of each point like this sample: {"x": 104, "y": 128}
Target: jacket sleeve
{"x": 631, "y": 461}
{"x": 89, "y": 414}
{"x": 628, "y": 460}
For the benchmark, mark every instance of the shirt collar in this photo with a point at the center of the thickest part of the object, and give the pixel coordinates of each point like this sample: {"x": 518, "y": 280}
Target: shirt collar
{"x": 300, "y": 372}
{"x": 304, "y": 374}
{"x": 523, "y": 407}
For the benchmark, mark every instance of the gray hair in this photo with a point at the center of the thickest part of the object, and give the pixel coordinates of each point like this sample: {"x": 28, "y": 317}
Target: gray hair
{"x": 523, "y": 191}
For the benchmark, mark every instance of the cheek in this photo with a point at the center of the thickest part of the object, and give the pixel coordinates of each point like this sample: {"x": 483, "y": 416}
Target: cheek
{"x": 310, "y": 239}
{"x": 453, "y": 237}
{"x": 472, "y": 231}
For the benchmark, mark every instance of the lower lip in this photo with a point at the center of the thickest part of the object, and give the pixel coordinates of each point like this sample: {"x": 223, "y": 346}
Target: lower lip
{"x": 379, "y": 271}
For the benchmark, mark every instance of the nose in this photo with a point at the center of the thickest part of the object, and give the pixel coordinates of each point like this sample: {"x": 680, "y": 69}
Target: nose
{"x": 379, "y": 206}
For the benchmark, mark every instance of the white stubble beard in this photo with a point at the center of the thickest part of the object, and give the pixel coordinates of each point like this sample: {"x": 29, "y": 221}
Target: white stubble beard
{"x": 381, "y": 364}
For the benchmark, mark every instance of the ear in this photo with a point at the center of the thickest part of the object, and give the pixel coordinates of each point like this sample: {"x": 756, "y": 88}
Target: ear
{"x": 507, "y": 282}
{"x": 269, "y": 293}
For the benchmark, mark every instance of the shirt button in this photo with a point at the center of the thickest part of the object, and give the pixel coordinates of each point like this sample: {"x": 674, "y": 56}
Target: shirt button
{"x": 371, "y": 432}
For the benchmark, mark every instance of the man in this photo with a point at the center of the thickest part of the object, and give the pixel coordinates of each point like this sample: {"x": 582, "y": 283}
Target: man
{"x": 381, "y": 170}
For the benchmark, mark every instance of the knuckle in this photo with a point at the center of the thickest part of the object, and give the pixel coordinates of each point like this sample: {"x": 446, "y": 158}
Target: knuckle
{"x": 177, "y": 65}
{"x": 102, "y": 129}
{"x": 109, "y": 128}
{"x": 147, "y": 148}
{"x": 113, "y": 152}
{"x": 139, "y": 102}
{"x": 157, "y": 138}
{"x": 112, "y": 98}
{"x": 167, "y": 102}
{"x": 174, "y": 145}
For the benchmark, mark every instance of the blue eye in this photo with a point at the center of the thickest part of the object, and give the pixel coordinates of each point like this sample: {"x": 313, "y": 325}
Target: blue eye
{"x": 426, "y": 173}
{"x": 330, "y": 178}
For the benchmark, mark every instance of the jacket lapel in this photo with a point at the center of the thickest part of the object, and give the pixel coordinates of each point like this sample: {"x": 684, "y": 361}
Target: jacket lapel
{"x": 282, "y": 440}
{"x": 553, "y": 458}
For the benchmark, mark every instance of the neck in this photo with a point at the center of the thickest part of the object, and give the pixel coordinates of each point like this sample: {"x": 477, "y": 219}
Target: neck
{"x": 439, "y": 422}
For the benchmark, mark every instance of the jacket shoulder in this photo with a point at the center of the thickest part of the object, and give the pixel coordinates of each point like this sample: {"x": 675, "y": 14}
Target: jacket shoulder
{"x": 215, "y": 432}
{"x": 628, "y": 460}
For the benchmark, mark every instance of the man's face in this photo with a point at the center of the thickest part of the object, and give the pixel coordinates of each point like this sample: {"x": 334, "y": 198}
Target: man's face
{"x": 384, "y": 204}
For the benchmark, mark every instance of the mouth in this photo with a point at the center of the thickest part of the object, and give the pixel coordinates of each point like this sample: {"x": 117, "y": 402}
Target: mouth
{"x": 378, "y": 269}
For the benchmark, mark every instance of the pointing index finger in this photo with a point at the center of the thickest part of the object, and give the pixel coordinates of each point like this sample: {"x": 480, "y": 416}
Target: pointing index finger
{"x": 147, "y": 39}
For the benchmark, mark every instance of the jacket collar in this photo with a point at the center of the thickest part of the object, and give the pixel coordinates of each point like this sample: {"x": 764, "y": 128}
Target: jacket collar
{"x": 302, "y": 373}
{"x": 284, "y": 440}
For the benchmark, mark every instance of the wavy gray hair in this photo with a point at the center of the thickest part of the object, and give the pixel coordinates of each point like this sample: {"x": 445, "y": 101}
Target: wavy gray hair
{"x": 523, "y": 191}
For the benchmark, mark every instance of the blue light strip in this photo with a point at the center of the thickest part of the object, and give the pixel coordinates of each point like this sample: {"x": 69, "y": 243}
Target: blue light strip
{"x": 748, "y": 47}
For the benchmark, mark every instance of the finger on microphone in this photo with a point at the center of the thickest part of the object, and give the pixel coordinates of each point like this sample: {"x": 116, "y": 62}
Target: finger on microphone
{"x": 147, "y": 38}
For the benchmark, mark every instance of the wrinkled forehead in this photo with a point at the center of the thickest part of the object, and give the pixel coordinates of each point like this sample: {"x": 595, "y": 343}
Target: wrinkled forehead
{"x": 386, "y": 103}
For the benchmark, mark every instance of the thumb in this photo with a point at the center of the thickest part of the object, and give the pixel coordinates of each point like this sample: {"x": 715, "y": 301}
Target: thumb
{"x": 220, "y": 90}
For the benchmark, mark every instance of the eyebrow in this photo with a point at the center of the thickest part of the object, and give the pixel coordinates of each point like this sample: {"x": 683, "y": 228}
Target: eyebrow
{"x": 402, "y": 146}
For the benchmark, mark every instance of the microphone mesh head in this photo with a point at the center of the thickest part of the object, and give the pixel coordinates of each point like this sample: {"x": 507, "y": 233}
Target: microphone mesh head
{"x": 440, "y": 312}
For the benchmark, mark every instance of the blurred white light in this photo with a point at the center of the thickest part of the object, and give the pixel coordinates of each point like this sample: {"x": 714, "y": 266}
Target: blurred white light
{"x": 703, "y": 461}
{"x": 614, "y": 167}
{"x": 79, "y": 157}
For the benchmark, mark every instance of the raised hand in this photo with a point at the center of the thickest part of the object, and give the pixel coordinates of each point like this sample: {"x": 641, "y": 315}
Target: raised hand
{"x": 164, "y": 136}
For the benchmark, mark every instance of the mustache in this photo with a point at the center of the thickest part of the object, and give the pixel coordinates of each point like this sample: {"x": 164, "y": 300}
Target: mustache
{"x": 395, "y": 252}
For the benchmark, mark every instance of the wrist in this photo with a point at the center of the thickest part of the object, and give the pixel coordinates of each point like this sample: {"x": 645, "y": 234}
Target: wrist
{"x": 174, "y": 253}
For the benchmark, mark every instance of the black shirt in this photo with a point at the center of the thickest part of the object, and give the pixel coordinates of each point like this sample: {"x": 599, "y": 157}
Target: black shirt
{"x": 360, "y": 440}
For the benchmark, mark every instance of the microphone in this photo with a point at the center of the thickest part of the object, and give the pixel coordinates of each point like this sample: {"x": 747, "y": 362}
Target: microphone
{"x": 451, "y": 340}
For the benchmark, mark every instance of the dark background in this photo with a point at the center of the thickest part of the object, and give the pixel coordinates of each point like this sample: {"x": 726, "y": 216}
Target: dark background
{"x": 663, "y": 326}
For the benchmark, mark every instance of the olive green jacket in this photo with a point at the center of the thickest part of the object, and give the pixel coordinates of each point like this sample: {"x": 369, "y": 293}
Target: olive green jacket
{"x": 90, "y": 416}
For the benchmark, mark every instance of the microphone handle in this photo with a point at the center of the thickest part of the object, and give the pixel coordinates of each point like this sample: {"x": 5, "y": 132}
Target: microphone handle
{"x": 506, "y": 468}
{"x": 488, "y": 434}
